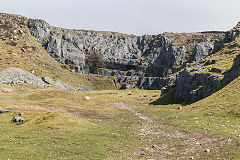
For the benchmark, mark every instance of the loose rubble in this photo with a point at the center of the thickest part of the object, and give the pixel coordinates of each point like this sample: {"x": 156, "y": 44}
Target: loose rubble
{"x": 13, "y": 76}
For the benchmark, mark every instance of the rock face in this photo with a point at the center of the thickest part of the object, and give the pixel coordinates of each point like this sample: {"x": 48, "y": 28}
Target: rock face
{"x": 144, "y": 62}
{"x": 202, "y": 50}
{"x": 191, "y": 86}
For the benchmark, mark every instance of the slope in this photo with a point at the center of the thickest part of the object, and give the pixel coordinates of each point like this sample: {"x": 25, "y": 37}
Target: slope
{"x": 19, "y": 49}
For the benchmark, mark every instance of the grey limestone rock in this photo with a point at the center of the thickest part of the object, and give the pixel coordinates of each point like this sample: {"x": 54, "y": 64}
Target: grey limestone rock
{"x": 82, "y": 88}
{"x": 48, "y": 80}
{"x": 86, "y": 98}
{"x": 202, "y": 50}
{"x": 6, "y": 90}
{"x": 18, "y": 119}
{"x": 147, "y": 55}
{"x": 4, "y": 110}
{"x": 61, "y": 85}
{"x": 191, "y": 86}
{"x": 14, "y": 76}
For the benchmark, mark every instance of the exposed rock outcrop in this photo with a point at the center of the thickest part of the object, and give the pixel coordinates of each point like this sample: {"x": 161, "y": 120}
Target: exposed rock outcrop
{"x": 149, "y": 59}
{"x": 192, "y": 86}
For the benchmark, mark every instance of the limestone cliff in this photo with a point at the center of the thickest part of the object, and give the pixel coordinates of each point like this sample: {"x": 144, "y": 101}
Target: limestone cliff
{"x": 147, "y": 62}
{"x": 194, "y": 64}
{"x": 199, "y": 80}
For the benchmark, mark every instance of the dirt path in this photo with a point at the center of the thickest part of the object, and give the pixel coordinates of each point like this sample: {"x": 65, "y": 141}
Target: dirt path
{"x": 176, "y": 142}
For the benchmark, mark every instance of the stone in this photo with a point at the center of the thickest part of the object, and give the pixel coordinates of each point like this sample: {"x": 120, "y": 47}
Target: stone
{"x": 15, "y": 38}
{"x": 48, "y": 80}
{"x": 18, "y": 119}
{"x": 61, "y": 85}
{"x": 198, "y": 143}
{"x": 154, "y": 146}
{"x": 191, "y": 86}
{"x": 207, "y": 150}
{"x": 32, "y": 71}
{"x": 141, "y": 134}
{"x": 4, "y": 110}
{"x": 143, "y": 154}
{"x": 86, "y": 98}
{"x": 91, "y": 79}
{"x": 82, "y": 88}
{"x": 202, "y": 50}
{"x": 15, "y": 76}
{"x": 6, "y": 90}
{"x": 14, "y": 54}
{"x": 20, "y": 31}
{"x": 24, "y": 50}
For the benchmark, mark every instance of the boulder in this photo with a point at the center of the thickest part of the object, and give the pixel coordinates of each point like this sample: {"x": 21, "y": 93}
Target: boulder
{"x": 86, "y": 98}
{"x": 48, "y": 80}
{"x": 24, "y": 50}
{"x": 18, "y": 119}
{"x": 202, "y": 50}
{"x": 6, "y": 90}
{"x": 3, "y": 111}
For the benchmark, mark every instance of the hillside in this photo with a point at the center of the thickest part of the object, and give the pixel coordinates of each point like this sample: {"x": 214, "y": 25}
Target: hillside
{"x": 190, "y": 109}
{"x": 19, "y": 49}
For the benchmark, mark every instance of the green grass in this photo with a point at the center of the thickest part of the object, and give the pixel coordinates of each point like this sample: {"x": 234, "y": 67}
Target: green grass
{"x": 216, "y": 115}
{"x": 73, "y": 129}
{"x": 62, "y": 125}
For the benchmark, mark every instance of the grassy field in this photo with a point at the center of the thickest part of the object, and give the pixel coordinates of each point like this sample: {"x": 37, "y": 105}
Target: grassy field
{"x": 63, "y": 125}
